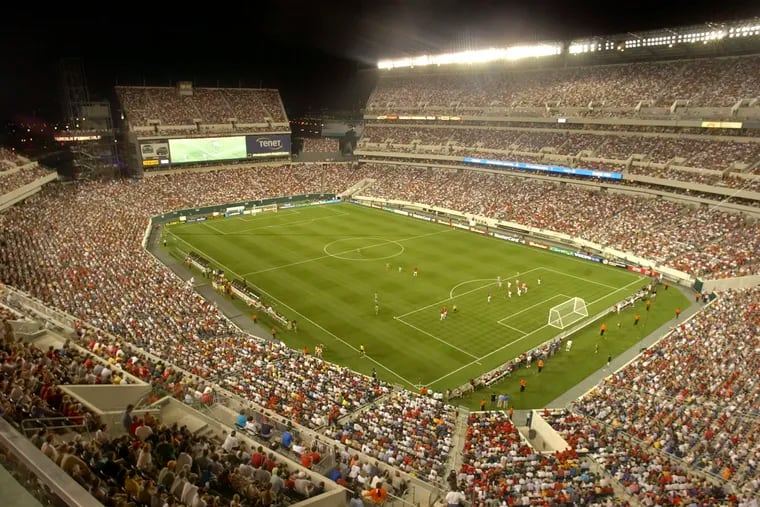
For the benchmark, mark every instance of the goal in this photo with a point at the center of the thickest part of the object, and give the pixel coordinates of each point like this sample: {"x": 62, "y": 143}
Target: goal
{"x": 567, "y": 313}
{"x": 263, "y": 209}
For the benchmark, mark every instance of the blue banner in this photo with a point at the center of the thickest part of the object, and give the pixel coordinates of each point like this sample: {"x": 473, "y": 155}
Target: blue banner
{"x": 528, "y": 166}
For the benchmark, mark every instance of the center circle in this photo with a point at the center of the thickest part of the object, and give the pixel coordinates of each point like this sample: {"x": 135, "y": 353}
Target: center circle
{"x": 363, "y": 248}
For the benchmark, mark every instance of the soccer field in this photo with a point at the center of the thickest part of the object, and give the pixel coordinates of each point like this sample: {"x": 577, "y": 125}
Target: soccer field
{"x": 323, "y": 266}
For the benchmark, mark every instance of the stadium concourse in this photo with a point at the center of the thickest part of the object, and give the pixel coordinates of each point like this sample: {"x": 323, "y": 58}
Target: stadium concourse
{"x": 697, "y": 447}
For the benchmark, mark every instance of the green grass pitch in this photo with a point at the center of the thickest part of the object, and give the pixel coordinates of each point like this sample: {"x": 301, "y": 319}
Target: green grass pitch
{"x": 323, "y": 265}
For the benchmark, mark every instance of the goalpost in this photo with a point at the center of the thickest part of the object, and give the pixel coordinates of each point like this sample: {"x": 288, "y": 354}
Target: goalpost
{"x": 263, "y": 209}
{"x": 567, "y": 313}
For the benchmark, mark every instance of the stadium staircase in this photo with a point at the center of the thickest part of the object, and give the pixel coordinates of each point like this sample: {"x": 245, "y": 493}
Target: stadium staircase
{"x": 457, "y": 442}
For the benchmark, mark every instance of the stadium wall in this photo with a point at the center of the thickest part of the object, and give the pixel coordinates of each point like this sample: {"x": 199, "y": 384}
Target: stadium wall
{"x": 547, "y": 440}
{"x": 740, "y": 282}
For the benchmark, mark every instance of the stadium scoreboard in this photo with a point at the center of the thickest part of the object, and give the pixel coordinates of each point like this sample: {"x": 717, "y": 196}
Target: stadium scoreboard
{"x": 172, "y": 151}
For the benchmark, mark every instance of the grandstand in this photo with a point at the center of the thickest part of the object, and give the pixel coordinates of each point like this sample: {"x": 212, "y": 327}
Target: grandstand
{"x": 20, "y": 178}
{"x": 86, "y": 305}
{"x": 184, "y": 126}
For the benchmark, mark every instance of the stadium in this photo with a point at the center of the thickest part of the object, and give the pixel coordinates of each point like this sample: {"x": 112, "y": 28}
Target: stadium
{"x": 531, "y": 277}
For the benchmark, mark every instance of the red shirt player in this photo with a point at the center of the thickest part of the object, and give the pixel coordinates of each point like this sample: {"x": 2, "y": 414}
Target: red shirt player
{"x": 414, "y": 273}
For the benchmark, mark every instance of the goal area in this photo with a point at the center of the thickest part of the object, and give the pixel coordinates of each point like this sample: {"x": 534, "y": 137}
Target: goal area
{"x": 567, "y": 313}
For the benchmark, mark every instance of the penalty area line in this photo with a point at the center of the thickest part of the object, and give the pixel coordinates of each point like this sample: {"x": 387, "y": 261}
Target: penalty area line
{"x": 436, "y": 338}
{"x": 477, "y": 361}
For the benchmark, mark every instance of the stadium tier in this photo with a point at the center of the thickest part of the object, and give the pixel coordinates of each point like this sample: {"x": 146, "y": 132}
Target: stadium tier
{"x": 709, "y": 82}
{"x": 166, "y": 107}
{"x": 97, "y": 271}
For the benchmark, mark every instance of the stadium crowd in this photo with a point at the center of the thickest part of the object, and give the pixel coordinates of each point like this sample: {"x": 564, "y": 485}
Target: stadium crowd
{"x": 695, "y": 151}
{"x": 97, "y": 271}
{"x": 10, "y": 160}
{"x": 320, "y": 145}
{"x": 717, "y": 82}
{"x": 647, "y": 475}
{"x": 12, "y": 180}
{"x": 143, "y": 104}
{"x": 146, "y": 462}
{"x": 405, "y": 430}
{"x": 675, "y": 234}
{"x": 694, "y": 394}
{"x": 676, "y": 426}
{"x": 500, "y": 467}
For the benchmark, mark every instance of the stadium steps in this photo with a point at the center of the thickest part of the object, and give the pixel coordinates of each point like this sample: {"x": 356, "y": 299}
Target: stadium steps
{"x": 457, "y": 442}
{"x": 173, "y": 415}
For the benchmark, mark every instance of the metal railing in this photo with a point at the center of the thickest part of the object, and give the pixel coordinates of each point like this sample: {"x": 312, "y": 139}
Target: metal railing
{"x": 29, "y": 426}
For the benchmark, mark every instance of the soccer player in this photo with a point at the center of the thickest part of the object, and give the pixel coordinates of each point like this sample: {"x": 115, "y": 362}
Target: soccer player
{"x": 539, "y": 281}
{"x": 362, "y": 352}
{"x": 377, "y": 309}
{"x": 399, "y": 269}
{"x": 602, "y": 329}
{"x": 636, "y": 319}
{"x": 509, "y": 293}
{"x": 568, "y": 345}
{"x": 489, "y": 297}
{"x": 414, "y": 273}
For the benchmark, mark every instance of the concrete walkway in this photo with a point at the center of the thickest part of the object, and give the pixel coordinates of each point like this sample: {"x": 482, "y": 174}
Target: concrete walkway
{"x": 621, "y": 360}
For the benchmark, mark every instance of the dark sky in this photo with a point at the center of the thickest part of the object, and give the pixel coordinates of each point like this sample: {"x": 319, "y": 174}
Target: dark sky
{"x": 311, "y": 50}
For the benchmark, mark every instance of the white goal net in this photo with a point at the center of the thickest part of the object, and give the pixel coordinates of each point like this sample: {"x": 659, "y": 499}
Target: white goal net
{"x": 567, "y": 313}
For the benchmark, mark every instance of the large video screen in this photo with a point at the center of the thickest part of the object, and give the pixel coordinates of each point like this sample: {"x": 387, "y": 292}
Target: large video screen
{"x": 203, "y": 149}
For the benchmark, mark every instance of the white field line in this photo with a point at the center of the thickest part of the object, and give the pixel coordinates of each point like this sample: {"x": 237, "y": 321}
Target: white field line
{"x": 532, "y": 306}
{"x": 327, "y": 256}
{"x": 437, "y": 303}
{"x": 307, "y": 319}
{"x": 287, "y": 224}
{"x": 435, "y": 337}
{"x": 501, "y": 321}
{"x": 252, "y": 218}
{"x": 212, "y": 227}
{"x": 451, "y": 292}
{"x": 638, "y": 280}
{"x": 512, "y": 328}
{"x": 580, "y": 278}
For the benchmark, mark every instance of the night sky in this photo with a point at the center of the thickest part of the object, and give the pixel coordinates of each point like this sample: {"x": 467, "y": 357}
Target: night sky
{"x": 313, "y": 51}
